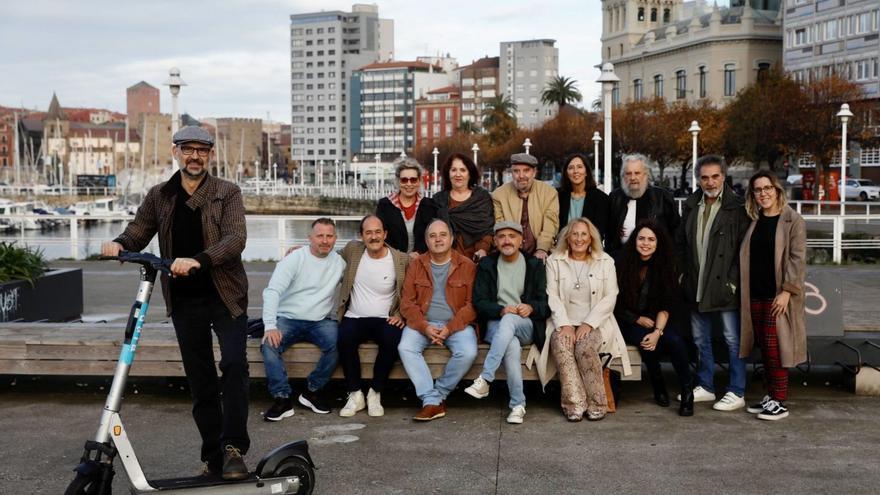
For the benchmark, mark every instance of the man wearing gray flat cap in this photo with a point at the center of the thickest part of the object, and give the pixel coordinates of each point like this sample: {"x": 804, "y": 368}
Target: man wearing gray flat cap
{"x": 531, "y": 203}
{"x": 200, "y": 222}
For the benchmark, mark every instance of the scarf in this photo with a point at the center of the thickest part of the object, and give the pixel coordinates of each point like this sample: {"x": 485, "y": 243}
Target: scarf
{"x": 472, "y": 219}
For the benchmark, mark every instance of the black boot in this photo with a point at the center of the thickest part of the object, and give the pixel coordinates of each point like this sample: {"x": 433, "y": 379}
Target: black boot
{"x": 686, "y": 408}
{"x": 661, "y": 397}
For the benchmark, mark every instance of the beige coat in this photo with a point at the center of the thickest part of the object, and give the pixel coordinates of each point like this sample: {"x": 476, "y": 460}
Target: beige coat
{"x": 543, "y": 210}
{"x": 561, "y": 277}
{"x": 790, "y": 263}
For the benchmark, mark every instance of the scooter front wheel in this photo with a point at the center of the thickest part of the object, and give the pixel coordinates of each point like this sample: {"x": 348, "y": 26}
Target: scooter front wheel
{"x": 85, "y": 485}
{"x": 301, "y": 468}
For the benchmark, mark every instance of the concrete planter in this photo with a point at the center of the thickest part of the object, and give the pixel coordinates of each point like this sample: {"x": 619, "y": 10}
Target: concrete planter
{"x": 56, "y": 296}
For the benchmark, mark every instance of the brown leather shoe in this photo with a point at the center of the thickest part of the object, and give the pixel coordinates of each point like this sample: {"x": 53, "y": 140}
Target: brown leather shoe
{"x": 431, "y": 412}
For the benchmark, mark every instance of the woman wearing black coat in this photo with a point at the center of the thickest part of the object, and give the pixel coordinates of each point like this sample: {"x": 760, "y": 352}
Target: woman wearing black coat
{"x": 407, "y": 212}
{"x": 579, "y": 196}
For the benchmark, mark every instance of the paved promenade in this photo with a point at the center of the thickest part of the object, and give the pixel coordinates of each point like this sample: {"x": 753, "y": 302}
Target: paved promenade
{"x": 831, "y": 442}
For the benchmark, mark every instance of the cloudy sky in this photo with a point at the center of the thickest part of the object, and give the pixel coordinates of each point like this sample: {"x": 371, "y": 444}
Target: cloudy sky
{"x": 234, "y": 53}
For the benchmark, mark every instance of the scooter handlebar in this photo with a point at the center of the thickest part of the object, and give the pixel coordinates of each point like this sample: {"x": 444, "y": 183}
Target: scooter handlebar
{"x": 145, "y": 259}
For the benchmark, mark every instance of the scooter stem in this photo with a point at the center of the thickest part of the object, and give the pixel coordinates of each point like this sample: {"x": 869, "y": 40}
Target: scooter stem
{"x": 126, "y": 355}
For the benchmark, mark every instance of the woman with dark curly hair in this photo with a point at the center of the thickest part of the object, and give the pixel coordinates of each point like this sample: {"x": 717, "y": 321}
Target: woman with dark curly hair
{"x": 466, "y": 207}
{"x": 579, "y": 196}
{"x": 648, "y": 286}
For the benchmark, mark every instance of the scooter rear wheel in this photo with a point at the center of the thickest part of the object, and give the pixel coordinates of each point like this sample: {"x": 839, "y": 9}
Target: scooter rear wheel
{"x": 297, "y": 466}
{"x": 85, "y": 485}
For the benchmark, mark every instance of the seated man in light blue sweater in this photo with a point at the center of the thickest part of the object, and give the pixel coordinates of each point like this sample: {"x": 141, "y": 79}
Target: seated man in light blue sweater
{"x": 297, "y": 306}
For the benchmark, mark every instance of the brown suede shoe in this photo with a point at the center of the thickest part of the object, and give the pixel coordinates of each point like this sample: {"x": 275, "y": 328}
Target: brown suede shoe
{"x": 431, "y": 412}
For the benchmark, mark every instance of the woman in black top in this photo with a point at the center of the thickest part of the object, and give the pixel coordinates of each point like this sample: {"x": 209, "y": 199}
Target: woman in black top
{"x": 406, "y": 212}
{"x": 647, "y": 289}
{"x": 579, "y": 196}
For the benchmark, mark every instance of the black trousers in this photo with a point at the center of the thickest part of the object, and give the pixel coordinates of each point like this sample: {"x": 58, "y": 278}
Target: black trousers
{"x": 670, "y": 343}
{"x": 220, "y": 405}
{"x": 355, "y": 331}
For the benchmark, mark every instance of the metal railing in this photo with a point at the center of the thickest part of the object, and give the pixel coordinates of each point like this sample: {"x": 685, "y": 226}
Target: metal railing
{"x": 271, "y": 235}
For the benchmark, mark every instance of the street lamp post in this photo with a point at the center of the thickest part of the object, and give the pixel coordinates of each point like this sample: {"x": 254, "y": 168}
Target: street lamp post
{"x": 436, "y": 152}
{"x": 377, "y": 157}
{"x": 527, "y": 144}
{"x": 695, "y": 131}
{"x": 608, "y": 78}
{"x": 596, "y": 140}
{"x": 174, "y": 83}
{"x": 844, "y": 115}
{"x": 476, "y": 149}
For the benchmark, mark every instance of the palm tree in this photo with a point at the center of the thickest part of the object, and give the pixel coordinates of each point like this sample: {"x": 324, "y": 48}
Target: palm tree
{"x": 561, "y": 91}
{"x": 498, "y": 109}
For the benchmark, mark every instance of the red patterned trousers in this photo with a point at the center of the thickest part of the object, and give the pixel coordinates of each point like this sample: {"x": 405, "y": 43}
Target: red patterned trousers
{"x": 764, "y": 324}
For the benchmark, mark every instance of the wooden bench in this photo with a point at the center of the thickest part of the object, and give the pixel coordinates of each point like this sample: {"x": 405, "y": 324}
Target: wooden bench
{"x": 92, "y": 350}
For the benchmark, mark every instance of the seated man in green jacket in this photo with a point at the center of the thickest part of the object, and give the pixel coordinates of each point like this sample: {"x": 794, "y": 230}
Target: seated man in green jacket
{"x": 510, "y": 296}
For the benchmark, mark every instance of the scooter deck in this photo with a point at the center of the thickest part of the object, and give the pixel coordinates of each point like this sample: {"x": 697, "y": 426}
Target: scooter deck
{"x": 197, "y": 482}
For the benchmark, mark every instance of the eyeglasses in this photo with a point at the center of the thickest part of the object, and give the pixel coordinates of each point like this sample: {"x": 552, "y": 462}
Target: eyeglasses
{"x": 408, "y": 180}
{"x": 765, "y": 189}
{"x": 189, "y": 150}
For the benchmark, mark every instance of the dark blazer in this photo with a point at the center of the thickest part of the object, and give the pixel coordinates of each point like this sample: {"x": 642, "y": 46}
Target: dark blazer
{"x": 656, "y": 203}
{"x": 223, "y": 230}
{"x": 534, "y": 294}
{"x": 596, "y": 207}
{"x": 393, "y": 218}
{"x": 721, "y": 292}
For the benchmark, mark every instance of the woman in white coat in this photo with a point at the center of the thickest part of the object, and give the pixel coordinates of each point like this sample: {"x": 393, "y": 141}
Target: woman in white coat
{"x": 582, "y": 290}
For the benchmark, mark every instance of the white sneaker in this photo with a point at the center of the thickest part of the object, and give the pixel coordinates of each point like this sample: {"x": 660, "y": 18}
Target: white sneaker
{"x": 354, "y": 404}
{"x": 516, "y": 415}
{"x": 374, "y": 404}
{"x": 700, "y": 395}
{"x": 730, "y": 402}
{"x": 479, "y": 389}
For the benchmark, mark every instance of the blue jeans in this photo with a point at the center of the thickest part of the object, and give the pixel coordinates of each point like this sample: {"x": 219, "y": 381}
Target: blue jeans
{"x": 506, "y": 338}
{"x": 462, "y": 344}
{"x": 321, "y": 333}
{"x": 701, "y": 325}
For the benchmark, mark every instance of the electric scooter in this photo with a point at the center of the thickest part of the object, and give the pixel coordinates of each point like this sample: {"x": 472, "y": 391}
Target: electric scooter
{"x": 286, "y": 470}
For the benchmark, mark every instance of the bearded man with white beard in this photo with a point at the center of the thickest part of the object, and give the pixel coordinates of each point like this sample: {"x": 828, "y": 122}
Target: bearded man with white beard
{"x": 637, "y": 200}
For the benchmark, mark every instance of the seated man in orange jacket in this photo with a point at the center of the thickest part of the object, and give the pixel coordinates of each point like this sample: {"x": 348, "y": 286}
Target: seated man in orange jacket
{"x": 436, "y": 305}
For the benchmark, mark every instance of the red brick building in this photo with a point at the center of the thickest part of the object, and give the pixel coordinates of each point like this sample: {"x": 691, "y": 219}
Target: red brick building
{"x": 437, "y": 116}
{"x": 141, "y": 98}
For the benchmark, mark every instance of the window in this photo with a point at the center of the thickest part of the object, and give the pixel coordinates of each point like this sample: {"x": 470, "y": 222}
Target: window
{"x": 680, "y": 85}
{"x": 702, "y": 76}
{"x": 763, "y": 70}
{"x": 658, "y": 86}
{"x": 638, "y": 90}
{"x": 729, "y": 79}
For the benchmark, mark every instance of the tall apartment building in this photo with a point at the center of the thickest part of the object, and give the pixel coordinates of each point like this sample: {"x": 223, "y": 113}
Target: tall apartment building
{"x": 526, "y": 68}
{"x": 325, "y": 47}
{"x": 824, "y": 37}
{"x": 686, "y": 50}
{"x": 141, "y": 98}
{"x": 479, "y": 82}
{"x": 383, "y": 98}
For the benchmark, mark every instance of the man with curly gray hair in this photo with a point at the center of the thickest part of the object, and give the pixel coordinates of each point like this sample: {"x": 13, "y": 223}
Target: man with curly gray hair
{"x": 637, "y": 200}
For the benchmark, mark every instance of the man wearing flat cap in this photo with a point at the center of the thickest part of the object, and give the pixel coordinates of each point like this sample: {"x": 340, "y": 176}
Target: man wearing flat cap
{"x": 510, "y": 296}
{"x": 200, "y": 222}
{"x": 532, "y": 204}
